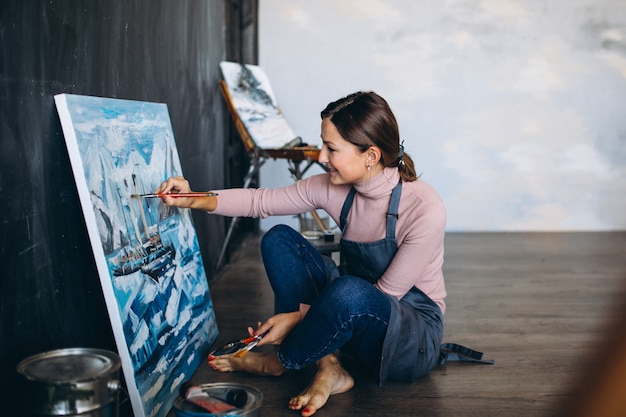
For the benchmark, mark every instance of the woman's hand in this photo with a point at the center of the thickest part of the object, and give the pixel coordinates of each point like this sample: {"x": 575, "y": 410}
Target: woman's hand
{"x": 175, "y": 185}
{"x": 276, "y": 328}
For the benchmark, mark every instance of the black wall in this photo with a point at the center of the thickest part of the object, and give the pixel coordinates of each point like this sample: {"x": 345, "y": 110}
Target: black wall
{"x": 150, "y": 50}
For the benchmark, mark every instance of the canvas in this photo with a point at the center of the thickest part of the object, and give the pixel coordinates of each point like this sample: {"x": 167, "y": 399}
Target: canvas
{"x": 256, "y": 105}
{"x": 146, "y": 252}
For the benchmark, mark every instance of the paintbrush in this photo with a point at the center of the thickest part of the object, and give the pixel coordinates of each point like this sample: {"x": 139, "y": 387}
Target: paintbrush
{"x": 239, "y": 347}
{"x": 328, "y": 235}
{"x": 177, "y": 195}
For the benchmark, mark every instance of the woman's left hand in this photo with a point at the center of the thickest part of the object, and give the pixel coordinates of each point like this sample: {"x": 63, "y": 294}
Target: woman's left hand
{"x": 276, "y": 328}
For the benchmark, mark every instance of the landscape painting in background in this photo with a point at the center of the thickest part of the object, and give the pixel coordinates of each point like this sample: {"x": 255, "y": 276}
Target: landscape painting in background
{"x": 147, "y": 253}
{"x": 252, "y": 96}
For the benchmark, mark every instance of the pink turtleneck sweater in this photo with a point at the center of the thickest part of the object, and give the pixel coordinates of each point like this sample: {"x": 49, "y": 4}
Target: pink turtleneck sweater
{"x": 419, "y": 230}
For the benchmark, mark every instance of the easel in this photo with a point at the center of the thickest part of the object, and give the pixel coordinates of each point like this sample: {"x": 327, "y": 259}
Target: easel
{"x": 299, "y": 158}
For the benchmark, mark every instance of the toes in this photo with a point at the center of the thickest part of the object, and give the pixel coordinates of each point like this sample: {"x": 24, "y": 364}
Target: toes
{"x": 308, "y": 411}
{"x": 220, "y": 365}
{"x": 296, "y": 403}
{"x": 309, "y": 404}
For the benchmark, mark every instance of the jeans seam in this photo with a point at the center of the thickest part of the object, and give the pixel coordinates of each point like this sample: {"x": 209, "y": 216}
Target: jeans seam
{"x": 304, "y": 253}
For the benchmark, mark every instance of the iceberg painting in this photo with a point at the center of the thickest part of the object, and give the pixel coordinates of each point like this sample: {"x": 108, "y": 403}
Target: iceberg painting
{"x": 253, "y": 98}
{"x": 147, "y": 253}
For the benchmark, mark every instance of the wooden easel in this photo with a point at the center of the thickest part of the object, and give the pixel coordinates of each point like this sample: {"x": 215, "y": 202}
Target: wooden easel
{"x": 299, "y": 158}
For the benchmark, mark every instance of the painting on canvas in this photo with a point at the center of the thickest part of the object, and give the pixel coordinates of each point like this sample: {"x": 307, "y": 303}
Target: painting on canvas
{"x": 256, "y": 105}
{"x": 147, "y": 253}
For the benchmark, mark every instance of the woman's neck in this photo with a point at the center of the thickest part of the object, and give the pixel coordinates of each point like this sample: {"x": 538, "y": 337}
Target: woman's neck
{"x": 380, "y": 183}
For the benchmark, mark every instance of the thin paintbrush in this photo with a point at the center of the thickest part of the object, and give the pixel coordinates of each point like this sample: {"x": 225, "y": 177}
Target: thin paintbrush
{"x": 177, "y": 195}
{"x": 328, "y": 235}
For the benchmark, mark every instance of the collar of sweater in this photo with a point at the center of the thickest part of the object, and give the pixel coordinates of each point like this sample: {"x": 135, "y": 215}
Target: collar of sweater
{"x": 379, "y": 186}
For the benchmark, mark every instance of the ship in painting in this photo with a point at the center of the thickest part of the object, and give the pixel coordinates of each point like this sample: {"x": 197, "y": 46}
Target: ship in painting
{"x": 146, "y": 251}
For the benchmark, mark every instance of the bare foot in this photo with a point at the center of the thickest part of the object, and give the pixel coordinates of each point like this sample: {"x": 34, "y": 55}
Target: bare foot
{"x": 330, "y": 379}
{"x": 265, "y": 363}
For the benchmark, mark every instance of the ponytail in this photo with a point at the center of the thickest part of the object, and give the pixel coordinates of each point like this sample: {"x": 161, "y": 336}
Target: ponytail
{"x": 406, "y": 168}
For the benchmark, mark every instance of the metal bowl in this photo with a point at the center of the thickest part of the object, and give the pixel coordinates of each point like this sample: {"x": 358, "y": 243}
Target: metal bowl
{"x": 251, "y": 408}
{"x": 70, "y": 381}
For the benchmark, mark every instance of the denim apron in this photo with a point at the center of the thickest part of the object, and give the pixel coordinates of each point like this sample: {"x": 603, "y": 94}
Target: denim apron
{"x": 412, "y": 345}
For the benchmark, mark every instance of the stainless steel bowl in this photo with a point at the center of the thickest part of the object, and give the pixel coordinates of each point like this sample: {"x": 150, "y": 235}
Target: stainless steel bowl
{"x": 70, "y": 381}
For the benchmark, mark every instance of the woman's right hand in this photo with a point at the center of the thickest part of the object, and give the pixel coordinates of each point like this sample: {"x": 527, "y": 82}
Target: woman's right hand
{"x": 276, "y": 328}
{"x": 175, "y": 185}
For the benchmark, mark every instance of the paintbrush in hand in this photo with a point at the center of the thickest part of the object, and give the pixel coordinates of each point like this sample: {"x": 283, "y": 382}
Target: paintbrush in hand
{"x": 176, "y": 195}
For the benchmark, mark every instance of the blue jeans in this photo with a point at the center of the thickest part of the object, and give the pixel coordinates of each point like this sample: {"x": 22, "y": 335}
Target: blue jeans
{"x": 346, "y": 313}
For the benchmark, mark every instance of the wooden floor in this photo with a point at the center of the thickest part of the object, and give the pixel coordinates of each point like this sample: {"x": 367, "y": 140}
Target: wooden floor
{"x": 536, "y": 303}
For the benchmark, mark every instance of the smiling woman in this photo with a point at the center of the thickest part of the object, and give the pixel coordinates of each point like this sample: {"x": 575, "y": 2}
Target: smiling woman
{"x": 391, "y": 282}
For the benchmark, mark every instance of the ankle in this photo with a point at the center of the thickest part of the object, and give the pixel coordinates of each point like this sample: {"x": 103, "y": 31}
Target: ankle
{"x": 271, "y": 365}
{"x": 328, "y": 360}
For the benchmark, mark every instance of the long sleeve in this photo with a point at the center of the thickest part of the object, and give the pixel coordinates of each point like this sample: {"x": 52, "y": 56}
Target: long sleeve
{"x": 311, "y": 193}
{"x": 419, "y": 230}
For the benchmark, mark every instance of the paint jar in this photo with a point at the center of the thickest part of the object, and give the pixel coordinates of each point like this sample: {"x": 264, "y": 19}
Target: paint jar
{"x": 71, "y": 382}
{"x": 251, "y": 408}
{"x": 310, "y": 227}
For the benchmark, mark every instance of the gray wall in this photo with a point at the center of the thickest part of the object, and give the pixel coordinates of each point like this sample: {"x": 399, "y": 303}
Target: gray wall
{"x": 512, "y": 109}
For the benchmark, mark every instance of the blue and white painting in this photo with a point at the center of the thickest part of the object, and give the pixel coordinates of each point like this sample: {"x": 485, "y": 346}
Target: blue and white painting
{"x": 252, "y": 96}
{"x": 147, "y": 253}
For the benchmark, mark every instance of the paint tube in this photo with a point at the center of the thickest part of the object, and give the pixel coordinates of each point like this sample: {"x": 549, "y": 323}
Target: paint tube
{"x": 228, "y": 400}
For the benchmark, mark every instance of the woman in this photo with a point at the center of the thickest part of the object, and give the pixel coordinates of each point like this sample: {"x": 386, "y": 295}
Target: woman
{"x": 385, "y": 307}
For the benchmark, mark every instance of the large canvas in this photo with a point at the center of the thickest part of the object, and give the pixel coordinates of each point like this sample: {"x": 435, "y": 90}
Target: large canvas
{"x": 256, "y": 105}
{"x": 147, "y": 253}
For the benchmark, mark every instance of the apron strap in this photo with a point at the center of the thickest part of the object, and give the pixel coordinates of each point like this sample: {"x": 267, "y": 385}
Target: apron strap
{"x": 347, "y": 204}
{"x": 392, "y": 212}
{"x": 454, "y": 352}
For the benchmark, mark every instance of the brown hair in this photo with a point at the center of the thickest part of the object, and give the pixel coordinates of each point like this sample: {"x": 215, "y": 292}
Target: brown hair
{"x": 365, "y": 119}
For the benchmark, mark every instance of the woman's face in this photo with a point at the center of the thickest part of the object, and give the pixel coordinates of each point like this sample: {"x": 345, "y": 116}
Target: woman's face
{"x": 345, "y": 163}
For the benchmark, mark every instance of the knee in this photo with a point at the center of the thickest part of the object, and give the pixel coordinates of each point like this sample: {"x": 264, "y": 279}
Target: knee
{"x": 275, "y": 236}
{"x": 355, "y": 296}
{"x": 349, "y": 289}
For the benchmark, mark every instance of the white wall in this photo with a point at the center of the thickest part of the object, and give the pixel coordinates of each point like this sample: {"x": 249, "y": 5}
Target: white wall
{"x": 514, "y": 110}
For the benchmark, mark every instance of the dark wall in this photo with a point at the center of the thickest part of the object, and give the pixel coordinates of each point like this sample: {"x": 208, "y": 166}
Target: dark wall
{"x": 149, "y": 50}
